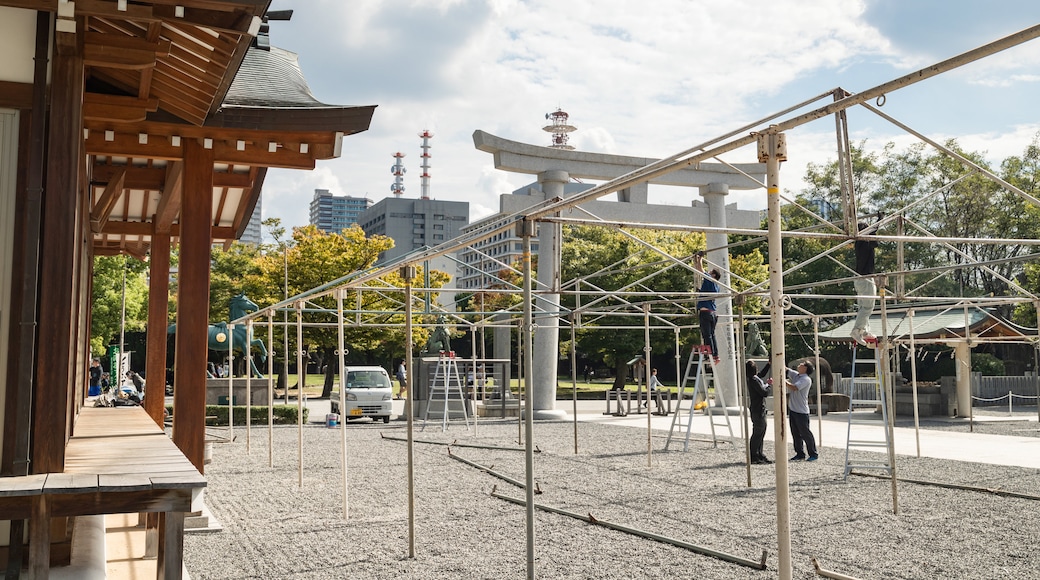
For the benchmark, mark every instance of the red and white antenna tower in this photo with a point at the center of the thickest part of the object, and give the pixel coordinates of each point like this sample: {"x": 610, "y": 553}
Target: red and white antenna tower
{"x": 398, "y": 171}
{"x": 425, "y": 177}
{"x": 559, "y": 129}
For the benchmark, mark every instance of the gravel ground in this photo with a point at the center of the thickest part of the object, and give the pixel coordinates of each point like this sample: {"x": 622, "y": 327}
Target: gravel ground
{"x": 273, "y": 528}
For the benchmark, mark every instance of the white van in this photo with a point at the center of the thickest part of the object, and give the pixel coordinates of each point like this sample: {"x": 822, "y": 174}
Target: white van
{"x": 368, "y": 394}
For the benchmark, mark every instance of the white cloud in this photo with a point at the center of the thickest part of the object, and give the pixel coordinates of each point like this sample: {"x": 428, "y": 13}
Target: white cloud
{"x": 648, "y": 80}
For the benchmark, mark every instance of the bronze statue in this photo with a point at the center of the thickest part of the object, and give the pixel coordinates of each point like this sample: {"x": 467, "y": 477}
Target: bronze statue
{"x": 439, "y": 340}
{"x": 755, "y": 347}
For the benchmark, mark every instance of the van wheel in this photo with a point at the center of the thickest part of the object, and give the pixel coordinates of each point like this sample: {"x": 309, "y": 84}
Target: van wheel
{"x": 386, "y": 418}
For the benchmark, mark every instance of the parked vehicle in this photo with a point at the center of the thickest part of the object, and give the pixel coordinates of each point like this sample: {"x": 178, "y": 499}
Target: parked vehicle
{"x": 368, "y": 393}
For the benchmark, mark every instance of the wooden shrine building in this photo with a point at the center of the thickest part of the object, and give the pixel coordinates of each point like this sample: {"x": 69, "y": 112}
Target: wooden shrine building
{"x": 126, "y": 127}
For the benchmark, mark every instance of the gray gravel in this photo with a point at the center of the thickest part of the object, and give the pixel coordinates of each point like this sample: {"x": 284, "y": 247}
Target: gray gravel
{"x": 275, "y": 529}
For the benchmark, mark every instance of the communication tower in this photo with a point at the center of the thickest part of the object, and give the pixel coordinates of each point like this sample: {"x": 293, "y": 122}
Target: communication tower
{"x": 425, "y": 177}
{"x": 398, "y": 171}
{"x": 559, "y": 129}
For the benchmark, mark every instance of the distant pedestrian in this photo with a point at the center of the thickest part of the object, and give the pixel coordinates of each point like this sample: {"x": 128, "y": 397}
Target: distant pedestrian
{"x": 402, "y": 380}
{"x": 95, "y": 378}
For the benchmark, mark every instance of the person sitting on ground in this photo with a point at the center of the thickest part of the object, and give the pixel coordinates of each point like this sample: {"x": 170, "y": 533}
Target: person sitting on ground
{"x": 706, "y": 305}
{"x": 865, "y": 288}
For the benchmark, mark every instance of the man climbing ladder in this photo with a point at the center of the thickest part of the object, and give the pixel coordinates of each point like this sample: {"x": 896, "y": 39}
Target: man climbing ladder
{"x": 865, "y": 288}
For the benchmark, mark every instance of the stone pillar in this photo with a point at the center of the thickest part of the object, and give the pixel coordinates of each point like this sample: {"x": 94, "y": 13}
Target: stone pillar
{"x": 547, "y": 305}
{"x": 962, "y": 356}
{"x": 714, "y": 195}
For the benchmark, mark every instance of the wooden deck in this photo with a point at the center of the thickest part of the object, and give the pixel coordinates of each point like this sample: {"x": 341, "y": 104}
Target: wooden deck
{"x": 118, "y": 461}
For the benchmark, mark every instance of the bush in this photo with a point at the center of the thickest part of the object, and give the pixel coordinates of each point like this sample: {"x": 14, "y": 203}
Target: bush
{"x": 216, "y": 415}
{"x": 987, "y": 364}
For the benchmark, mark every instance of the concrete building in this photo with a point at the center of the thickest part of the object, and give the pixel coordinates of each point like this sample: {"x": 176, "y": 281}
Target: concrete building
{"x": 414, "y": 223}
{"x": 252, "y": 234}
{"x": 333, "y": 213}
{"x": 482, "y": 260}
{"x": 418, "y": 223}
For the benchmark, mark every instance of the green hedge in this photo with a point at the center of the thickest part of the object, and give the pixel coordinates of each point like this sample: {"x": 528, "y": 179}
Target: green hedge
{"x": 283, "y": 415}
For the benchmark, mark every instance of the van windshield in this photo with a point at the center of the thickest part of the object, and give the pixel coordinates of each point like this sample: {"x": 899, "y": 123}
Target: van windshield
{"x": 367, "y": 380}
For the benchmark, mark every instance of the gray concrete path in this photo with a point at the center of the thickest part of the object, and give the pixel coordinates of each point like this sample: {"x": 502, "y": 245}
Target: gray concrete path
{"x": 961, "y": 445}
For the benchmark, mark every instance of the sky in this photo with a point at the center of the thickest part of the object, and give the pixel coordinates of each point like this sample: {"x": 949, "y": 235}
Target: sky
{"x": 645, "y": 79}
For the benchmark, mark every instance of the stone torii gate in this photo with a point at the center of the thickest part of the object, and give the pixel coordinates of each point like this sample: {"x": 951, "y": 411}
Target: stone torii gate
{"x": 555, "y": 168}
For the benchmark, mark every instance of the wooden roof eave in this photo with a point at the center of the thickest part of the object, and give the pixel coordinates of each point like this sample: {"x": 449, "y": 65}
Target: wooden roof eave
{"x": 346, "y": 120}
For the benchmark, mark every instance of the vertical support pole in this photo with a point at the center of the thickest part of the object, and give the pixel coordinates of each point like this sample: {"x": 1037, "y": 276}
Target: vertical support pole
{"x": 574, "y": 380}
{"x": 301, "y": 379}
{"x": 341, "y": 352}
{"x": 55, "y": 352}
{"x": 526, "y": 232}
{"x": 742, "y": 386}
{"x": 885, "y": 370}
{"x": 270, "y": 389}
{"x": 231, "y": 382}
{"x": 408, "y": 273}
{"x": 248, "y": 348}
{"x": 913, "y": 379}
{"x": 819, "y": 383}
{"x": 158, "y": 312}
{"x": 646, "y": 374}
{"x": 189, "y": 393}
{"x": 40, "y": 538}
{"x": 772, "y": 150}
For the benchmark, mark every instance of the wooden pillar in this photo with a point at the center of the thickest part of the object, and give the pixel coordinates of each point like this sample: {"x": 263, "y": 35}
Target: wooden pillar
{"x": 56, "y": 340}
{"x": 158, "y": 311}
{"x": 189, "y": 393}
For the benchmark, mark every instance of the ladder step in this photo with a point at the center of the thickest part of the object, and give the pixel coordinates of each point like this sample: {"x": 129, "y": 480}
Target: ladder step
{"x": 861, "y": 443}
{"x": 868, "y": 466}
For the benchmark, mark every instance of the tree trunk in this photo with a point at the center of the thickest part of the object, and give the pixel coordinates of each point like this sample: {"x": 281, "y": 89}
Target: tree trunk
{"x": 620, "y": 373}
{"x": 330, "y": 374}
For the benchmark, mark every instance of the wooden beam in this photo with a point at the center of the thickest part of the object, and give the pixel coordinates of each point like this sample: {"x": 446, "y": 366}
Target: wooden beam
{"x": 146, "y": 229}
{"x": 115, "y": 108}
{"x": 54, "y": 358}
{"x": 124, "y": 145}
{"x": 154, "y": 178}
{"x": 158, "y": 313}
{"x": 116, "y": 57}
{"x": 15, "y": 95}
{"x": 107, "y": 202}
{"x": 170, "y": 202}
{"x": 189, "y": 394}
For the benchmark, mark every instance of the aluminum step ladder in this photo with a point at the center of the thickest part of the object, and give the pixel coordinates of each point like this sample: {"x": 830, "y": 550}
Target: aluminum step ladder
{"x": 445, "y": 386}
{"x": 867, "y": 391}
{"x": 702, "y": 354}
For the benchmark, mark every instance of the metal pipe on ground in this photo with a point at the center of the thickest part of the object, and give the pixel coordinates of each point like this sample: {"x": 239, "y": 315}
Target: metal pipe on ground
{"x": 994, "y": 491}
{"x": 457, "y": 444}
{"x": 756, "y": 564}
{"x": 829, "y": 574}
{"x": 490, "y": 471}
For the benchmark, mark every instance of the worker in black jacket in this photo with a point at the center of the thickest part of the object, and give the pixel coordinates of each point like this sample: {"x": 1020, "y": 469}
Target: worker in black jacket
{"x": 758, "y": 390}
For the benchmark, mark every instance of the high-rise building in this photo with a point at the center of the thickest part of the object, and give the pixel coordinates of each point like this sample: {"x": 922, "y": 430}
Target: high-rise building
{"x": 252, "y": 234}
{"x": 334, "y": 213}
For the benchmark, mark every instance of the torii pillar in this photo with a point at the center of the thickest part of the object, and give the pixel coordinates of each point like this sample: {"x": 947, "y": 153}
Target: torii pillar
{"x": 547, "y": 304}
{"x": 714, "y": 195}
{"x": 554, "y": 168}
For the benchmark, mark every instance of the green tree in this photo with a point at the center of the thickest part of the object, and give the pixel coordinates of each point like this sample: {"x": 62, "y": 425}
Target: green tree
{"x": 107, "y": 299}
{"x": 607, "y": 259}
{"x": 315, "y": 259}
